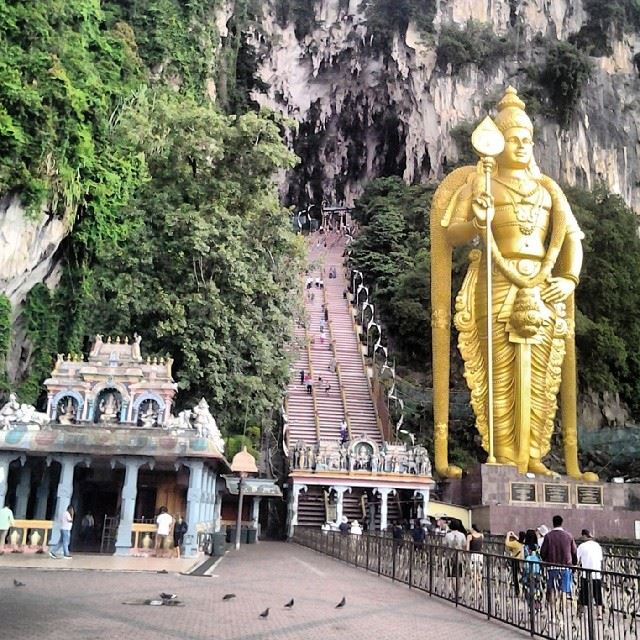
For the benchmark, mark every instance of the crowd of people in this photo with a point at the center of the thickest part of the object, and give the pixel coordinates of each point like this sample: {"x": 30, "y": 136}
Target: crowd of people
{"x": 527, "y": 550}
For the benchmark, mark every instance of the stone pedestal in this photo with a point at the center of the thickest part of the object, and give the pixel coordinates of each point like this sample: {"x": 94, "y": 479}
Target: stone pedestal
{"x": 501, "y": 499}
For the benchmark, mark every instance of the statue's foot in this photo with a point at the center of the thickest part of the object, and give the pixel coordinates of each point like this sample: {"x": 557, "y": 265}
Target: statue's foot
{"x": 451, "y": 471}
{"x": 536, "y": 466}
{"x": 507, "y": 461}
{"x": 589, "y": 476}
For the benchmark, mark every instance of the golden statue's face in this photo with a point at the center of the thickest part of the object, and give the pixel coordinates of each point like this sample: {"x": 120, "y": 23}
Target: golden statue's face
{"x": 518, "y": 148}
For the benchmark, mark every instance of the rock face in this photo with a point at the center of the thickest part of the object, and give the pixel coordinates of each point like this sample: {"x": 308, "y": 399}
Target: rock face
{"x": 28, "y": 255}
{"x": 364, "y": 110}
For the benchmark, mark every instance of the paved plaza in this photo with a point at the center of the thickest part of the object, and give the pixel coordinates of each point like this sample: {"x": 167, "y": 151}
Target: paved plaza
{"x": 66, "y": 600}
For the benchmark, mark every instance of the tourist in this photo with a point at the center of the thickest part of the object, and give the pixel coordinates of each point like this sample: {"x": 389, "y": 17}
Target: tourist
{"x": 179, "y": 529}
{"x": 317, "y": 283}
{"x": 66, "y": 524}
{"x": 344, "y": 294}
{"x": 332, "y": 364}
{"x": 6, "y": 522}
{"x": 301, "y": 376}
{"x": 164, "y": 522}
{"x": 397, "y": 532}
{"x": 308, "y": 382}
{"x": 418, "y": 534}
{"x": 531, "y": 574}
{"x": 475, "y": 540}
{"x": 541, "y": 532}
{"x": 456, "y": 540}
{"x": 326, "y": 314}
{"x": 86, "y": 527}
{"x": 559, "y": 548}
{"x": 515, "y": 546}
{"x": 356, "y": 529}
{"x": 589, "y": 556}
{"x": 344, "y": 432}
{"x": 309, "y": 282}
{"x": 327, "y": 387}
{"x": 343, "y": 527}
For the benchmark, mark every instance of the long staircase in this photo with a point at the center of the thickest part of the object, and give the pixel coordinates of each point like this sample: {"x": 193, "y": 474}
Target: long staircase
{"x": 333, "y": 358}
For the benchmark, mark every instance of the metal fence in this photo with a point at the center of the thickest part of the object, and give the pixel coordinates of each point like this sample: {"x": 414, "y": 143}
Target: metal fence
{"x": 546, "y": 601}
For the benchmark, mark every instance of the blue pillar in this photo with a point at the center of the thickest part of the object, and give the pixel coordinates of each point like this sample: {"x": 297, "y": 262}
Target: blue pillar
{"x": 194, "y": 501}
{"x": 23, "y": 492}
{"x": 65, "y": 491}
{"x": 42, "y": 496}
{"x": 128, "y": 505}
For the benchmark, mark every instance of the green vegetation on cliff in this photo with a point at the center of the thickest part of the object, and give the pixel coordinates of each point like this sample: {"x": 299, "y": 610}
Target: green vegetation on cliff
{"x": 178, "y": 233}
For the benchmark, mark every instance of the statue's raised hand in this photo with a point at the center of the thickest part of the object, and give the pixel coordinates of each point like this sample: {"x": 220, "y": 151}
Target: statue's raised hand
{"x": 482, "y": 207}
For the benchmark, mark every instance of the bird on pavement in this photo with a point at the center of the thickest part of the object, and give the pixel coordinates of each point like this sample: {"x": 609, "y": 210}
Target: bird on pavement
{"x": 289, "y": 604}
{"x": 17, "y": 583}
{"x": 341, "y": 603}
{"x": 228, "y": 596}
{"x": 265, "y": 613}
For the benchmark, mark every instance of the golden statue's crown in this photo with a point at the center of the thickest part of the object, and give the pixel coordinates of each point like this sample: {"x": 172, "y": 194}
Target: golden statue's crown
{"x": 511, "y": 112}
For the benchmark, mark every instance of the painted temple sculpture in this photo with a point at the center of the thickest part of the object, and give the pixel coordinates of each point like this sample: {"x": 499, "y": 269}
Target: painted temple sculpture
{"x": 110, "y": 445}
{"x": 518, "y": 349}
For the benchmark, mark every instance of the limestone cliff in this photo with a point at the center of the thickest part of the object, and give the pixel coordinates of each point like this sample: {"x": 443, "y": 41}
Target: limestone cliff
{"x": 365, "y": 110}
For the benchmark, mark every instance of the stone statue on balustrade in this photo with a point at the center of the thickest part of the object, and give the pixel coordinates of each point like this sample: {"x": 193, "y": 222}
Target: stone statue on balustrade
{"x": 205, "y": 424}
{"x": 109, "y": 408}
{"x": 14, "y": 415}
{"x": 66, "y": 411}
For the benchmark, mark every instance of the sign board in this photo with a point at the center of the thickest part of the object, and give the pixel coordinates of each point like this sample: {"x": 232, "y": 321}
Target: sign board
{"x": 523, "y": 492}
{"x": 253, "y": 486}
{"x": 589, "y": 494}
{"x": 556, "y": 493}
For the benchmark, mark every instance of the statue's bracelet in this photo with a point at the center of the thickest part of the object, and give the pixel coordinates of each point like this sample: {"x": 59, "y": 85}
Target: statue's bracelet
{"x": 477, "y": 225}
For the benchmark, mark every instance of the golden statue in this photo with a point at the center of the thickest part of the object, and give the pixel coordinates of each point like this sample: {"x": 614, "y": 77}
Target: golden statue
{"x": 518, "y": 350}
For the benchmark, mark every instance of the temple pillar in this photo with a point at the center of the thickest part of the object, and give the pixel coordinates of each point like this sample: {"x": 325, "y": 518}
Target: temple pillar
{"x": 42, "y": 496}
{"x": 65, "y": 491}
{"x": 5, "y": 461}
{"x": 211, "y": 483}
{"x": 128, "y": 504}
{"x": 293, "y": 506}
{"x": 255, "y": 513}
{"x": 23, "y": 491}
{"x": 424, "y": 494}
{"x": 217, "y": 512}
{"x": 194, "y": 503}
{"x": 384, "y": 492}
{"x": 339, "y": 491}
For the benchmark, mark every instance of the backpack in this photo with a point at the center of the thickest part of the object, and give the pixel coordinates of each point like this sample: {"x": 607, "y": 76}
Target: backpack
{"x": 532, "y": 561}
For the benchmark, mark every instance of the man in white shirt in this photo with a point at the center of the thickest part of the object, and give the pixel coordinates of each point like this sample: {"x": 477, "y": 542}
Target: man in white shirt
{"x": 6, "y": 522}
{"x": 164, "y": 520}
{"x": 590, "y": 557}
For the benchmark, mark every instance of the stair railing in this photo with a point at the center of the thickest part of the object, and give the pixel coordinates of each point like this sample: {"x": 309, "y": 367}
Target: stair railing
{"x": 313, "y": 386}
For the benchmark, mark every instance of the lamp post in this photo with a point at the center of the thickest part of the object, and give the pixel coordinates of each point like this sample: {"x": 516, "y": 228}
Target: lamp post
{"x": 243, "y": 464}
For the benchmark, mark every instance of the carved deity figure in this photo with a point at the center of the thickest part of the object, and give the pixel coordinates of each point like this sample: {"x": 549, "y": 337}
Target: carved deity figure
{"x": 109, "y": 407}
{"x": 149, "y": 417}
{"x": 536, "y": 255}
{"x": 67, "y": 411}
{"x": 206, "y": 425}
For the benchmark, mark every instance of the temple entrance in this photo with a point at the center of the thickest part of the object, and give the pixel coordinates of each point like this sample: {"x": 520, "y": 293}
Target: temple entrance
{"x": 97, "y": 495}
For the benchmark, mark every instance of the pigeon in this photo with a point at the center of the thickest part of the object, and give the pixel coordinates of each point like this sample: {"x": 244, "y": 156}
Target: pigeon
{"x": 168, "y": 596}
{"x": 265, "y": 613}
{"x": 289, "y": 604}
{"x": 341, "y": 603}
{"x": 228, "y": 596}
{"x": 162, "y": 571}
{"x": 17, "y": 583}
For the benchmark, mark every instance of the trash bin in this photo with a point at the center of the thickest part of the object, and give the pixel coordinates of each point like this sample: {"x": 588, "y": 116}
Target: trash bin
{"x": 250, "y": 535}
{"x": 218, "y": 546}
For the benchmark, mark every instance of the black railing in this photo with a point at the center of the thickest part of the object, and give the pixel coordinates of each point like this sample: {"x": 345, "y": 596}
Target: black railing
{"x": 546, "y": 601}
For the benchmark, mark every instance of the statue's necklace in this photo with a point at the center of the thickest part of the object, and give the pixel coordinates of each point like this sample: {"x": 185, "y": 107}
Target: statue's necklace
{"x": 527, "y": 213}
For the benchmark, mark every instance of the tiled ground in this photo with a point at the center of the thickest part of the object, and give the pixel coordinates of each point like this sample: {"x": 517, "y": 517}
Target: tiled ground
{"x": 60, "y": 602}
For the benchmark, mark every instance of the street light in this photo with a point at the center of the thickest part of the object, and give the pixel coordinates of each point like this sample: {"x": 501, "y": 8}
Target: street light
{"x": 243, "y": 463}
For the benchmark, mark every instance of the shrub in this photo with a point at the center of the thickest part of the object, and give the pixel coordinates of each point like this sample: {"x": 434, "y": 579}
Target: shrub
{"x": 565, "y": 73}
{"x": 475, "y": 44}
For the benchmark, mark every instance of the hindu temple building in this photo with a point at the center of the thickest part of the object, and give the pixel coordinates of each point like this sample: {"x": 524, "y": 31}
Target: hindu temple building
{"x": 110, "y": 446}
